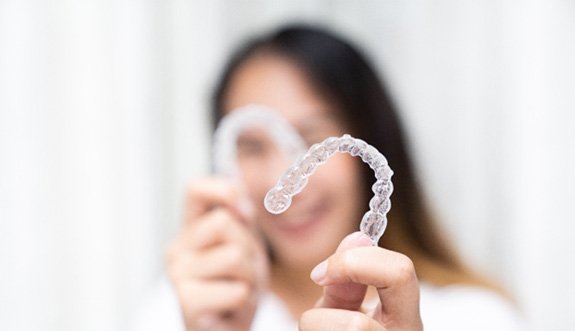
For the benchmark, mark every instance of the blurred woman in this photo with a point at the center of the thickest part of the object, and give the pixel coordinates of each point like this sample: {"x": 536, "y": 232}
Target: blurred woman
{"x": 234, "y": 266}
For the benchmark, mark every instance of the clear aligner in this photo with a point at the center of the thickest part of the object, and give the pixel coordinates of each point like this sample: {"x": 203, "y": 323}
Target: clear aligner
{"x": 374, "y": 221}
{"x": 232, "y": 125}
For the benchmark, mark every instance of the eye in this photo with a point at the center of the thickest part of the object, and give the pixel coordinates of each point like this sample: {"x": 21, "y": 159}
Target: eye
{"x": 249, "y": 147}
{"x": 318, "y": 129}
{"x": 253, "y": 134}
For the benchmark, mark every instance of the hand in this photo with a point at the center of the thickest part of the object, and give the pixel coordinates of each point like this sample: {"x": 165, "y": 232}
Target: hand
{"x": 345, "y": 276}
{"x": 217, "y": 263}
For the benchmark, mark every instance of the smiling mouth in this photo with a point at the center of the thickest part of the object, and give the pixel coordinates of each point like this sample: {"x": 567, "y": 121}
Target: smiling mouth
{"x": 302, "y": 220}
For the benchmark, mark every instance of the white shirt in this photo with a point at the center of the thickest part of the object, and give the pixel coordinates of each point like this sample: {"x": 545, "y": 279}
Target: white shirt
{"x": 448, "y": 308}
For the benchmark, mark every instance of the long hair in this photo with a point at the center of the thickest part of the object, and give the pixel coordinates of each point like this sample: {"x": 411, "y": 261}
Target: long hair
{"x": 345, "y": 77}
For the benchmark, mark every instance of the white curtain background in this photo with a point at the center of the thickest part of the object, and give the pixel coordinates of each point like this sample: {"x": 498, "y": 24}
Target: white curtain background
{"x": 103, "y": 120}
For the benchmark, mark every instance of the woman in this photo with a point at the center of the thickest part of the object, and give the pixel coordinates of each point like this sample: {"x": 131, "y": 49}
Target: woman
{"x": 232, "y": 258}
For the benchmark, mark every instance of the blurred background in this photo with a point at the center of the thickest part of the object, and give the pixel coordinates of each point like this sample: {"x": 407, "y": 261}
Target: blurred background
{"x": 103, "y": 121}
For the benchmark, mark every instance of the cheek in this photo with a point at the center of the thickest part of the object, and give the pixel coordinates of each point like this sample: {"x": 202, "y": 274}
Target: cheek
{"x": 343, "y": 171}
{"x": 260, "y": 175}
{"x": 340, "y": 178}
{"x": 256, "y": 178}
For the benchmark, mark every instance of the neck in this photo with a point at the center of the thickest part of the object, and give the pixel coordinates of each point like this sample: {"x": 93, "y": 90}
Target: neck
{"x": 294, "y": 287}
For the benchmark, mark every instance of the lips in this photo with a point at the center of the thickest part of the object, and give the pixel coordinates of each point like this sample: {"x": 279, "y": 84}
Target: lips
{"x": 301, "y": 221}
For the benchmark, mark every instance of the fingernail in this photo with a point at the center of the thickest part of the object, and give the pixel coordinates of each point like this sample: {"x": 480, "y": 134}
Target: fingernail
{"x": 364, "y": 240}
{"x": 356, "y": 239}
{"x": 356, "y": 235}
{"x": 319, "y": 272}
{"x": 359, "y": 237}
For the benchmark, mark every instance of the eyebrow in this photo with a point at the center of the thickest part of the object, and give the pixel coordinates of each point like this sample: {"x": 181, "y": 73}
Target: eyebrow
{"x": 313, "y": 122}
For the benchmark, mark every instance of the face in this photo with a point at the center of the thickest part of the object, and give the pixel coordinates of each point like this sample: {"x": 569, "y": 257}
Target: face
{"x": 329, "y": 206}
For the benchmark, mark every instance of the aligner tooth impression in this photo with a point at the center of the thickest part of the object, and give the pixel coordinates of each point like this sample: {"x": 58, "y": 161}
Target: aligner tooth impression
{"x": 293, "y": 181}
{"x": 374, "y": 221}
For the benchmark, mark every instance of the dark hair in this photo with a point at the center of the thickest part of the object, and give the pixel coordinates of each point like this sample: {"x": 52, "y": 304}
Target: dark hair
{"x": 344, "y": 76}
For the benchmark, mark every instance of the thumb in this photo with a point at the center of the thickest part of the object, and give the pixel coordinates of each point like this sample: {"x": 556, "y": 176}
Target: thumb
{"x": 346, "y": 295}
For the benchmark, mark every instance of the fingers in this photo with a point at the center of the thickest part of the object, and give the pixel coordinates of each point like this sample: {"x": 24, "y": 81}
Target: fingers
{"x": 229, "y": 262}
{"x": 337, "y": 319}
{"x": 216, "y": 305}
{"x": 343, "y": 295}
{"x": 200, "y": 298}
{"x": 205, "y": 194}
{"x": 217, "y": 226}
{"x": 216, "y": 247}
{"x": 393, "y": 275}
{"x": 217, "y": 263}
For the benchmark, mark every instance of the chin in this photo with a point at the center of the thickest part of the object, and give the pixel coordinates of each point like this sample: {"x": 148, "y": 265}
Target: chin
{"x": 304, "y": 254}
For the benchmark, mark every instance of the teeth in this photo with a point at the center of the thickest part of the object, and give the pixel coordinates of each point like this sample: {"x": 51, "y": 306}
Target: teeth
{"x": 369, "y": 154}
{"x": 294, "y": 180}
{"x": 331, "y": 145}
{"x": 320, "y": 152}
{"x": 277, "y": 201}
{"x": 384, "y": 172}
{"x": 382, "y": 187}
{"x": 346, "y": 144}
{"x": 358, "y": 148}
{"x": 373, "y": 224}
{"x": 380, "y": 204}
{"x": 308, "y": 164}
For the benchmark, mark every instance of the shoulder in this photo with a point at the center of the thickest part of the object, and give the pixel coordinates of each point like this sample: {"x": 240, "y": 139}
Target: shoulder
{"x": 459, "y": 307}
